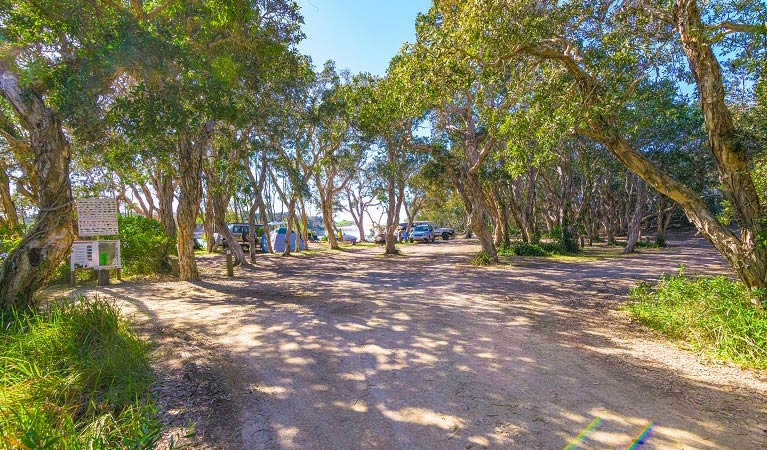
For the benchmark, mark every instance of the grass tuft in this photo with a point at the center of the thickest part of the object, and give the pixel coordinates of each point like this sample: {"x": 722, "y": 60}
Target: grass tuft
{"x": 713, "y": 315}
{"x": 74, "y": 377}
{"x": 482, "y": 259}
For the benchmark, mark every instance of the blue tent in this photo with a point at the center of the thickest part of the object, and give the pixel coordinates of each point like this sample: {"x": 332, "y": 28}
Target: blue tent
{"x": 278, "y": 241}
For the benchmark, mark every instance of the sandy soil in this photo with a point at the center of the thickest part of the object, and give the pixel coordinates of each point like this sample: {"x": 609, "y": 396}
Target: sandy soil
{"x": 351, "y": 350}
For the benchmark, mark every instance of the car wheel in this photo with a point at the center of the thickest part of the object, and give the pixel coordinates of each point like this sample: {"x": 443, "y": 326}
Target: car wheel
{"x": 445, "y": 236}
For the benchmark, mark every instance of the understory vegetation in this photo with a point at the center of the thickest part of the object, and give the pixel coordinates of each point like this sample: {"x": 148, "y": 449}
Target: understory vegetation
{"x": 533, "y": 249}
{"x": 712, "y": 315}
{"x": 74, "y": 377}
{"x": 144, "y": 246}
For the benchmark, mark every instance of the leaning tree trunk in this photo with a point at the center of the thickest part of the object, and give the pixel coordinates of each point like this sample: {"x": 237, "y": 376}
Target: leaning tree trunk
{"x": 220, "y": 204}
{"x": 190, "y": 155}
{"x": 636, "y": 217}
{"x": 42, "y": 249}
{"x": 9, "y": 207}
{"x": 747, "y": 258}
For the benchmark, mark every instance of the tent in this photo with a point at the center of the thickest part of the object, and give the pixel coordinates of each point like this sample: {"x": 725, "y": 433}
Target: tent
{"x": 278, "y": 241}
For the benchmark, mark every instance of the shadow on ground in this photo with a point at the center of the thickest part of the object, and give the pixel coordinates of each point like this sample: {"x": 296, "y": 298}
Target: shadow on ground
{"x": 350, "y": 350}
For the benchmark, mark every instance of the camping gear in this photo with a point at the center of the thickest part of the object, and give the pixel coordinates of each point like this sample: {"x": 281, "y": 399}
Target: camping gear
{"x": 277, "y": 238}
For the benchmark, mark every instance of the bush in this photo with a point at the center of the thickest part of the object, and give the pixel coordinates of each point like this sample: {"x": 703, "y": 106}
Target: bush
{"x": 565, "y": 240}
{"x": 712, "y": 315}
{"x": 648, "y": 244}
{"x": 528, "y": 249}
{"x": 74, "y": 377}
{"x": 144, "y": 246}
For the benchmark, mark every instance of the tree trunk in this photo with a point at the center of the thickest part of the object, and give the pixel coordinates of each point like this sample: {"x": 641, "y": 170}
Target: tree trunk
{"x": 252, "y": 230}
{"x": 190, "y": 154}
{"x": 326, "y": 204}
{"x": 265, "y": 222}
{"x": 478, "y": 213}
{"x": 304, "y": 224}
{"x": 9, "y": 207}
{"x": 208, "y": 226}
{"x": 34, "y": 260}
{"x": 636, "y": 218}
{"x": 664, "y": 219}
{"x": 289, "y": 231}
{"x": 396, "y": 193}
{"x": 164, "y": 188}
{"x": 220, "y": 205}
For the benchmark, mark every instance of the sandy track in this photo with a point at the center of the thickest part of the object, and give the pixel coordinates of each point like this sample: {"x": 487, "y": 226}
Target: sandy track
{"x": 350, "y": 350}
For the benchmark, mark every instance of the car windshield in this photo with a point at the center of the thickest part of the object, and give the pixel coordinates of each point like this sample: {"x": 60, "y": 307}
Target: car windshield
{"x": 422, "y": 228}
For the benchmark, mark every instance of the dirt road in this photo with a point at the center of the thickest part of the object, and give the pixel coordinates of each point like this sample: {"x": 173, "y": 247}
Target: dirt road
{"x": 351, "y": 350}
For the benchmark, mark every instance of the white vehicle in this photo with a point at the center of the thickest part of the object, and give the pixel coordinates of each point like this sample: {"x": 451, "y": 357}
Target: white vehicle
{"x": 444, "y": 233}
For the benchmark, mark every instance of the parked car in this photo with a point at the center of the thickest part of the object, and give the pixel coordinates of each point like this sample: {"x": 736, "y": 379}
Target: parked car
{"x": 444, "y": 233}
{"x": 423, "y": 233}
{"x": 240, "y": 231}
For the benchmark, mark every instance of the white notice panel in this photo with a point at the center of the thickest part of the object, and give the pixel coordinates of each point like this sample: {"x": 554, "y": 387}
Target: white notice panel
{"x": 97, "y": 217}
{"x": 96, "y": 255}
{"x": 83, "y": 255}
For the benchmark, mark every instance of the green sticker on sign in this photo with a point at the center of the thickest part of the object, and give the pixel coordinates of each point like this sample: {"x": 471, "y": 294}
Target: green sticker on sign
{"x": 102, "y": 258}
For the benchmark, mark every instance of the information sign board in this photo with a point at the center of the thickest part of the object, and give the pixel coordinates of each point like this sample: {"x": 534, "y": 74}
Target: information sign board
{"x": 97, "y": 217}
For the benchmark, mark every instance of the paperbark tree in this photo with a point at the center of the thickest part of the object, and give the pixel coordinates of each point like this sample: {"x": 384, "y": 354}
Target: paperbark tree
{"x": 33, "y": 261}
{"x": 191, "y": 150}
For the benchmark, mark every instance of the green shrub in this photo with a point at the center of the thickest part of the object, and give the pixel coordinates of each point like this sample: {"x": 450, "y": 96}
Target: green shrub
{"x": 712, "y": 315}
{"x": 144, "y": 246}
{"x": 565, "y": 240}
{"x": 74, "y": 377}
{"x": 648, "y": 244}
{"x": 528, "y": 249}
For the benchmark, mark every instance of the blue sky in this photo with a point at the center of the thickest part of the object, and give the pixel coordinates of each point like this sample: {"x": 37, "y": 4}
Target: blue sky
{"x": 362, "y": 35}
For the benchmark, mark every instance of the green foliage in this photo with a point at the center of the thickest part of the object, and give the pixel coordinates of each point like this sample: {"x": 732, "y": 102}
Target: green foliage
{"x": 712, "y": 315}
{"x": 74, "y": 377}
{"x": 564, "y": 239}
{"x": 529, "y": 249}
{"x": 9, "y": 239}
{"x": 650, "y": 244}
{"x": 144, "y": 246}
{"x": 481, "y": 259}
